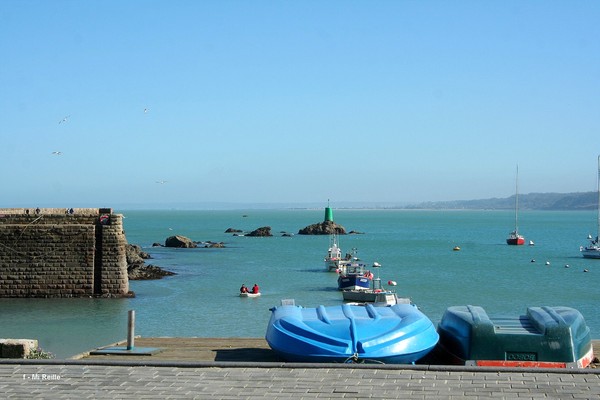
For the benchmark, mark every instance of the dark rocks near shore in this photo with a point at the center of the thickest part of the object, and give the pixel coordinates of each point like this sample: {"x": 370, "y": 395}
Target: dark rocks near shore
{"x": 137, "y": 268}
{"x": 323, "y": 228}
{"x": 233, "y": 230}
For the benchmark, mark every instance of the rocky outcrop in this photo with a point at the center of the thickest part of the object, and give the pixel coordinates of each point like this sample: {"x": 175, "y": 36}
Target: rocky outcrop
{"x": 137, "y": 268}
{"x": 262, "y": 232}
{"x": 233, "y": 230}
{"x": 214, "y": 245}
{"x": 146, "y": 272}
{"x": 323, "y": 228}
{"x": 179, "y": 242}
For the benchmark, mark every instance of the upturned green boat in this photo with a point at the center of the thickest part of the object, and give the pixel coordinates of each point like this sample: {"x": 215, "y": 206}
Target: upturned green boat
{"x": 546, "y": 337}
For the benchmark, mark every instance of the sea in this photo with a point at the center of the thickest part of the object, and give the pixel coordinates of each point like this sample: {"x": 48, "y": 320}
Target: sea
{"x": 414, "y": 247}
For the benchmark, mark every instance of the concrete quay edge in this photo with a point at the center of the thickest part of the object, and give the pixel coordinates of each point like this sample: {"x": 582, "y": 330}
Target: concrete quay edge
{"x": 290, "y": 365}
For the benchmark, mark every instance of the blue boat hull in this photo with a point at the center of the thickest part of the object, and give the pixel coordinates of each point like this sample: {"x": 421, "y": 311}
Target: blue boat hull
{"x": 353, "y": 282}
{"x": 399, "y": 334}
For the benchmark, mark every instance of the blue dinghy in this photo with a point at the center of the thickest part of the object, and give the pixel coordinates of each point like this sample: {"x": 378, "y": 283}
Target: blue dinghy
{"x": 399, "y": 334}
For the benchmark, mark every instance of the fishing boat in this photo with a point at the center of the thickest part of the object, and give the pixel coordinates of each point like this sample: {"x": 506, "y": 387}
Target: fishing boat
{"x": 353, "y": 274}
{"x": 546, "y": 337}
{"x": 514, "y": 238}
{"x": 399, "y": 334}
{"x": 592, "y": 250}
{"x": 376, "y": 294}
{"x": 334, "y": 259}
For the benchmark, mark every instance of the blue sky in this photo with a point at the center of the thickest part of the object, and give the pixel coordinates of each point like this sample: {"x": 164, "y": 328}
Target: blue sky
{"x": 296, "y": 101}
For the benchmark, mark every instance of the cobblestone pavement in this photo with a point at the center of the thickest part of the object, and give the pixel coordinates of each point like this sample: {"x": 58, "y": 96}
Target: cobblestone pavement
{"x": 77, "y": 380}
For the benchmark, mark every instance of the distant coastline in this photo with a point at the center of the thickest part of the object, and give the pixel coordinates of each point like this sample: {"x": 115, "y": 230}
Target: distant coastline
{"x": 532, "y": 201}
{"x": 578, "y": 201}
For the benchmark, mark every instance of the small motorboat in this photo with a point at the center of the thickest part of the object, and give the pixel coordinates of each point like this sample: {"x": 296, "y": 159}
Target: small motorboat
{"x": 399, "y": 334}
{"x": 546, "y": 337}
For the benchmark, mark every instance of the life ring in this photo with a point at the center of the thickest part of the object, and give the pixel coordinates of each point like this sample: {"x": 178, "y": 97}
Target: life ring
{"x": 104, "y": 219}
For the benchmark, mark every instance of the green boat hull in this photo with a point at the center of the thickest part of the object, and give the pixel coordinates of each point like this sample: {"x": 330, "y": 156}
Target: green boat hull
{"x": 553, "y": 337}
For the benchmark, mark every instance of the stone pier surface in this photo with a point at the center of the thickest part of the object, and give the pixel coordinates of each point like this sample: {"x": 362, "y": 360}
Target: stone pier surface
{"x": 245, "y": 368}
{"x": 54, "y": 252}
{"x": 178, "y": 380}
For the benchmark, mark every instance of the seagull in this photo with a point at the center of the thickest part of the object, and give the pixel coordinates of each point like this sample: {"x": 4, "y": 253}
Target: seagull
{"x": 146, "y": 110}
{"x": 57, "y": 153}
{"x": 65, "y": 119}
{"x": 161, "y": 182}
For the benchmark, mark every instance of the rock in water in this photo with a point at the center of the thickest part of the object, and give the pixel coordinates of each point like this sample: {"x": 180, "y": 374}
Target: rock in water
{"x": 264, "y": 231}
{"x": 179, "y": 242}
{"x": 323, "y": 228}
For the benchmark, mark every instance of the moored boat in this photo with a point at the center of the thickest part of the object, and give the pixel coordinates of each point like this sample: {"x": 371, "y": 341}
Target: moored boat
{"x": 592, "y": 250}
{"x": 514, "y": 238}
{"x": 398, "y": 334}
{"x": 353, "y": 274}
{"x": 334, "y": 260}
{"x": 546, "y": 337}
{"x": 376, "y": 294}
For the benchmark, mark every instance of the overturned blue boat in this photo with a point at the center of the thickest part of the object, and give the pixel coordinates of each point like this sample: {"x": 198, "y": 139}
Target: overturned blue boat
{"x": 399, "y": 334}
{"x": 546, "y": 337}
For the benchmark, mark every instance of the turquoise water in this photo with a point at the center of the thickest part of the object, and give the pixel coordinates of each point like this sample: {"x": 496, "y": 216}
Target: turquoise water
{"x": 413, "y": 247}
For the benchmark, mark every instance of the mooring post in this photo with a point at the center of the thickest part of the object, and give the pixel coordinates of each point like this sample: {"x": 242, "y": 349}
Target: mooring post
{"x": 130, "y": 330}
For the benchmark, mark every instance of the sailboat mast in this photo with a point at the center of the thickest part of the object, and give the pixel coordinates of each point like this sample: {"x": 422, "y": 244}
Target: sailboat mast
{"x": 517, "y": 201}
{"x": 598, "y": 190}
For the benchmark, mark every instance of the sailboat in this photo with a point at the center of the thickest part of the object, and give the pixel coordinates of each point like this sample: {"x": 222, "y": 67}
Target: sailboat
{"x": 514, "y": 238}
{"x": 592, "y": 250}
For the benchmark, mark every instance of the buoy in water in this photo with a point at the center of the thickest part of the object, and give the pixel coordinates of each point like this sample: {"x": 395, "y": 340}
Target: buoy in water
{"x": 392, "y": 283}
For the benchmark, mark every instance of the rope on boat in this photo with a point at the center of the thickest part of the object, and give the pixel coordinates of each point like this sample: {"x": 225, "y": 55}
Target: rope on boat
{"x": 355, "y": 359}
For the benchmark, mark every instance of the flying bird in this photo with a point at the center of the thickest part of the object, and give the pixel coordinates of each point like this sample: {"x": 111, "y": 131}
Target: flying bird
{"x": 57, "y": 153}
{"x": 161, "y": 182}
{"x": 146, "y": 110}
{"x": 65, "y": 119}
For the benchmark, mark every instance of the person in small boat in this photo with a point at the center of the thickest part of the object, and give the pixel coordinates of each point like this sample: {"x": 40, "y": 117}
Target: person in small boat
{"x": 243, "y": 289}
{"x": 255, "y": 289}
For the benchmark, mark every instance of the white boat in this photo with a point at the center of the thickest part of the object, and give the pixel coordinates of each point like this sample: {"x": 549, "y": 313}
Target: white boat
{"x": 592, "y": 250}
{"x": 334, "y": 259}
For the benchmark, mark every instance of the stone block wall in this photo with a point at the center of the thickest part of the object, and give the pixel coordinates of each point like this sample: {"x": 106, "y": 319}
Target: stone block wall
{"x": 62, "y": 253}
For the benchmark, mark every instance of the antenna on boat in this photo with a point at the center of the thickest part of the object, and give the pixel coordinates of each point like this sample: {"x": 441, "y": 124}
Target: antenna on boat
{"x": 377, "y": 280}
